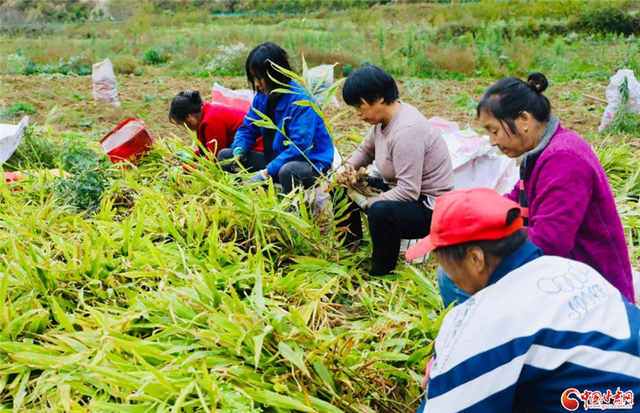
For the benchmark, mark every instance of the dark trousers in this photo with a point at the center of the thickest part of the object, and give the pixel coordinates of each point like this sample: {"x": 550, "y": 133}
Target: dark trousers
{"x": 292, "y": 174}
{"x": 389, "y": 223}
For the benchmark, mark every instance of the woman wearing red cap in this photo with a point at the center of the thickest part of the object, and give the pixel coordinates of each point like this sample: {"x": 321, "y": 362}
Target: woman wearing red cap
{"x": 215, "y": 125}
{"x": 564, "y": 193}
{"x": 501, "y": 351}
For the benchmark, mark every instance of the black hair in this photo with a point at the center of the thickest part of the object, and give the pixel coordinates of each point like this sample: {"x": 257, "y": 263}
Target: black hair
{"x": 370, "y": 83}
{"x": 500, "y": 248}
{"x": 259, "y": 65}
{"x": 184, "y": 104}
{"x": 509, "y": 97}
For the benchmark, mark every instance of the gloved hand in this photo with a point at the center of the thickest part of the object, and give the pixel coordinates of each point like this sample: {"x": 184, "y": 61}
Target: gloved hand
{"x": 260, "y": 176}
{"x": 234, "y": 165}
{"x": 239, "y": 155}
{"x": 357, "y": 197}
{"x": 184, "y": 156}
{"x": 230, "y": 166}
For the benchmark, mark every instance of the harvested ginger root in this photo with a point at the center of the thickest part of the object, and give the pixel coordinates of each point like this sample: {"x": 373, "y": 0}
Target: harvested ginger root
{"x": 358, "y": 181}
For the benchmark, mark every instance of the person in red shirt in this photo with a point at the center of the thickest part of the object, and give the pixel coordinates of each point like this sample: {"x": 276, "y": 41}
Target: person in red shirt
{"x": 214, "y": 124}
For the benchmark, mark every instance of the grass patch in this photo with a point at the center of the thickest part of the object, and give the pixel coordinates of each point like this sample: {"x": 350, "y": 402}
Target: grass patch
{"x": 18, "y": 109}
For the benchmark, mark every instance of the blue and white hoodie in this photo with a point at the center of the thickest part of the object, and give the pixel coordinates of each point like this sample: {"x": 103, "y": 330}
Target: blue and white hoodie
{"x": 547, "y": 326}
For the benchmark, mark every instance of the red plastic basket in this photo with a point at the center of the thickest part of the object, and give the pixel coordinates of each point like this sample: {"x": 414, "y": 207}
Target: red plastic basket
{"x": 127, "y": 141}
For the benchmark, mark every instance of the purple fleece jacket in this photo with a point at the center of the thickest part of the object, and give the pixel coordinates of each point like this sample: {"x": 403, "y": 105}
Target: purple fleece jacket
{"x": 572, "y": 212}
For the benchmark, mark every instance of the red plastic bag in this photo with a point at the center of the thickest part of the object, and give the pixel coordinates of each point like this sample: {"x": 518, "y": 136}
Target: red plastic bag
{"x": 13, "y": 176}
{"x": 10, "y": 178}
{"x": 127, "y": 141}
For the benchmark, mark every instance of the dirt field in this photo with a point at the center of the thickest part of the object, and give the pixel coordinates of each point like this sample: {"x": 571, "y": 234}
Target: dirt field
{"x": 148, "y": 98}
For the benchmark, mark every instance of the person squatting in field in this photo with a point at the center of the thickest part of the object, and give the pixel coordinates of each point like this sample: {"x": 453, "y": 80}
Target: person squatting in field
{"x": 215, "y": 125}
{"x": 567, "y": 203}
{"x": 413, "y": 161}
{"x": 533, "y": 326}
{"x": 301, "y": 150}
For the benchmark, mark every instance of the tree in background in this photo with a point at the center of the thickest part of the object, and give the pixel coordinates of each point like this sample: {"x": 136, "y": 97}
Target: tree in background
{"x": 140, "y": 21}
{"x": 120, "y": 10}
{"x": 48, "y": 10}
{"x": 83, "y": 10}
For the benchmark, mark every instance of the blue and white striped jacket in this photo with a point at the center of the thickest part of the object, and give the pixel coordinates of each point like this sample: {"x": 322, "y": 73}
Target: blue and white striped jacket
{"x": 550, "y": 325}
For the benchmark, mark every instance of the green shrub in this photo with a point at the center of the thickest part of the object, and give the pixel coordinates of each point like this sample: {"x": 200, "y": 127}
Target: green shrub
{"x": 626, "y": 121}
{"x": 19, "y": 64}
{"x": 558, "y": 29}
{"x": 125, "y": 65}
{"x": 16, "y": 64}
{"x": 423, "y": 66}
{"x": 346, "y": 70}
{"x": 229, "y": 59}
{"x": 148, "y": 98}
{"x": 31, "y": 68}
{"x": 78, "y": 65}
{"x": 20, "y": 108}
{"x": 609, "y": 19}
{"x": 521, "y": 54}
{"x": 458, "y": 29}
{"x": 155, "y": 56}
{"x": 632, "y": 60}
{"x": 464, "y": 103}
{"x": 454, "y": 58}
{"x": 83, "y": 189}
{"x": 75, "y": 64}
{"x": 35, "y": 151}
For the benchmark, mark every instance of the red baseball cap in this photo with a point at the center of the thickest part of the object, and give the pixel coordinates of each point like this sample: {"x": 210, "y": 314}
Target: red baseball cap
{"x": 473, "y": 214}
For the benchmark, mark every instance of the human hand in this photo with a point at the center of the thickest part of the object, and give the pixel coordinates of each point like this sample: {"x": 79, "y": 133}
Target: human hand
{"x": 347, "y": 174}
{"x": 349, "y": 169}
{"x": 184, "y": 156}
{"x": 234, "y": 164}
{"x": 425, "y": 381}
{"x": 260, "y": 176}
{"x": 239, "y": 155}
{"x": 357, "y": 197}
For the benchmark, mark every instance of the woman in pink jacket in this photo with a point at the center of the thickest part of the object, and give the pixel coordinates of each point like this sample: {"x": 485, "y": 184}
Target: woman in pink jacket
{"x": 563, "y": 189}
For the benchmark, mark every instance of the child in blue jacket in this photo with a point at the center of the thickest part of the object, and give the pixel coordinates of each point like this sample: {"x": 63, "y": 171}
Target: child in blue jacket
{"x": 283, "y": 160}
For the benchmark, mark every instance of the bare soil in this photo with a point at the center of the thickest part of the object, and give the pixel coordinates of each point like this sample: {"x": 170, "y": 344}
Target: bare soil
{"x": 148, "y": 97}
